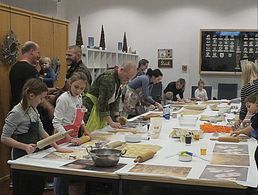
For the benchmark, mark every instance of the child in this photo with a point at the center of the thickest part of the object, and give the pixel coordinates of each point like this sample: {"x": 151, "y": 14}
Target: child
{"x": 47, "y": 74}
{"x": 251, "y": 103}
{"x": 169, "y": 97}
{"x": 68, "y": 114}
{"x": 200, "y": 93}
{"x": 22, "y": 130}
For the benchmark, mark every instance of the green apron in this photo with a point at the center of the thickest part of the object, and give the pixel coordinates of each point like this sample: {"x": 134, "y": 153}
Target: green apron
{"x": 95, "y": 121}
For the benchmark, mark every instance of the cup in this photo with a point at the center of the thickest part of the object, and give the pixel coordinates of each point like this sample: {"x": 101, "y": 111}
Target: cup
{"x": 174, "y": 115}
{"x": 188, "y": 140}
{"x": 196, "y": 136}
{"x": 203, "y": 149}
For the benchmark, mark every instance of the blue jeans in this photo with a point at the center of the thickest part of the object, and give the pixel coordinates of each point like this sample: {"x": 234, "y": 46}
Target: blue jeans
{"x": 61, "y": 186}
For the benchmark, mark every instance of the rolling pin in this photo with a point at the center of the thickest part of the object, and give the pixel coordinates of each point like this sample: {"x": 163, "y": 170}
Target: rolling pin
{"x": 52, "y": 139}
{"x": 148, "y": 154}
{"x": 114, "y": 144}
{"x": 226, "y": 139}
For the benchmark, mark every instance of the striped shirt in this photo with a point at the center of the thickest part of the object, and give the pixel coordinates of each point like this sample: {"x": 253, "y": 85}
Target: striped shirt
{"x": 246, "y": 90}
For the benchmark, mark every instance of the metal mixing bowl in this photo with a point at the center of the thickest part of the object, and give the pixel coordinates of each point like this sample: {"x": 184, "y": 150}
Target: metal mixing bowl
{"x": 104, "y": 157}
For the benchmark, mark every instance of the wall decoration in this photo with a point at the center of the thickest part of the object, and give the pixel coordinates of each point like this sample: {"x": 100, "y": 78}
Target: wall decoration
{"x": 119, "y": 46}
{"x": 10, "y": 48}
{"x": 125, "y": 48}
{"x": 79, "y": 40}
{"x": 165, "y": 58}
{"x": 184, "y": 68}
{"x": 102, "y": 43}
{"x": 221, "y": 50}
{"x": 90, "y": 42}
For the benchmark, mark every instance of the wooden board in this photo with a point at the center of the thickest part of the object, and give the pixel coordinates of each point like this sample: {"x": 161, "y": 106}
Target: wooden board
{"x": 212, "y": 172}
{"x": 190, "y": 112}
{"x": 172, "y": 171}
{"x": 75, "y": 155}
{"x": 231, "y": 149}
{"x": 230, "y": 159}
{"x": 209, "y": 118}
{"x": 134, "y": 150}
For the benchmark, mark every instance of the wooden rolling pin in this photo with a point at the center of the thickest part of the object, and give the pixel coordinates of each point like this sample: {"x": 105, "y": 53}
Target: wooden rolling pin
{"x": 226, "y": 139}
{"x": 148, "y": 154}
{"x": 52, "y": 139}
{"x": 114, "y": 144}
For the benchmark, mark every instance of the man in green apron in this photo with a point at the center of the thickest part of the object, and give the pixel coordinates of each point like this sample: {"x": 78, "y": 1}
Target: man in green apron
{"x": 104, "y": 96}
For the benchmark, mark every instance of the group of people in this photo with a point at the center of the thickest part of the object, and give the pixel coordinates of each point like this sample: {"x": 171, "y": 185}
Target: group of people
{"x": 84, "y": 105}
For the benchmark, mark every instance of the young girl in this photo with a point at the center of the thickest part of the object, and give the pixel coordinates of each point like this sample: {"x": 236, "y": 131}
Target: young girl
{"x": 68, "y": 115}
{"x": 69, "y": 110}
{"x": 22, "y": 130}
{"x": 251, "y": 103}
{"x": 200, "y": 93}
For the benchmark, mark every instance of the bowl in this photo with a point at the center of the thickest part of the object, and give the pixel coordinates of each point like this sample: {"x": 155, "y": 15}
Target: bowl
{"x": 133, "y": 138}
{"x": 185, "y": 156}
{"x": 105, "y": 157}
{"x": 187, "y": 120}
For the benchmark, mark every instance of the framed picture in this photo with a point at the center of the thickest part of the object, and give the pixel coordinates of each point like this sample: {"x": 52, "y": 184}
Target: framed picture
{"x": 165, "y": 58}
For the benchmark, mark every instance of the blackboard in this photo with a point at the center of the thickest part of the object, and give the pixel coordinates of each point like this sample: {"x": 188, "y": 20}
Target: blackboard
{"x": 222, "y": 50}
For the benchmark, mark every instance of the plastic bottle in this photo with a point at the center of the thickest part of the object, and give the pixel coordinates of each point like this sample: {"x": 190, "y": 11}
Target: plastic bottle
{"x": 166, "y": 112}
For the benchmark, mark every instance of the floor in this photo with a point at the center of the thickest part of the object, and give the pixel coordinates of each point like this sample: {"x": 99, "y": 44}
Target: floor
{"x": 75, "y": 189}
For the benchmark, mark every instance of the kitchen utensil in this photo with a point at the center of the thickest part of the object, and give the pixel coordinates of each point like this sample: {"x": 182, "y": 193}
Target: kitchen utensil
{"x": 105, "y": 157}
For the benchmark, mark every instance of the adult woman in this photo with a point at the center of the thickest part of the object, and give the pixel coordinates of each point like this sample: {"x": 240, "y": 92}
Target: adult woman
{"x": 250, "y": 85}
{"x": 177, "y": 88}
{"x": 138, "y": 92}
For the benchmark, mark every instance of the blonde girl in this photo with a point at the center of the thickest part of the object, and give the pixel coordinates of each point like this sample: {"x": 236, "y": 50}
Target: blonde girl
{"x": 250, "y": 85}
{"x": 200, "y": 93}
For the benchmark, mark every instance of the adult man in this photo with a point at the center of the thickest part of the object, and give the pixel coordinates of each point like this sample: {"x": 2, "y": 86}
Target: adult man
{"x": 73, "y": 60}
{"x": 142, "y": 66}
{"x": 24, "y": 70}
{"x": 104, "y": 96}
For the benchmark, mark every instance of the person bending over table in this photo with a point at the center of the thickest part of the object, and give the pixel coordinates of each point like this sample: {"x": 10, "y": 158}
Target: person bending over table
{"x": 177, "y": 88}
{"x": 249, "y": 79}
{"x": 251, "y": 103}
{"x": 103, "y": 99}
{"x": 138, "y": 92}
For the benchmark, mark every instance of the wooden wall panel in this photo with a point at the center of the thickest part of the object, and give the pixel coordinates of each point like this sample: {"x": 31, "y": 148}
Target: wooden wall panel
{"x": 21, "y": 26}
{"x": 4, "y": 94}
{"x": 28, "y": 26}
{"x": 42, "y": 33}
{"x": 60, "y": 46}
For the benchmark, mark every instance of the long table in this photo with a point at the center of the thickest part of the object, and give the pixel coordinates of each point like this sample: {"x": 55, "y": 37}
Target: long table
{"x": 124, "y": 181}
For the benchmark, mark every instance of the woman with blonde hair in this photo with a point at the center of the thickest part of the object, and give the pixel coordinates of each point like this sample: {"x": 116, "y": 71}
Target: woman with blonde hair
{"x": 250, "y": 85}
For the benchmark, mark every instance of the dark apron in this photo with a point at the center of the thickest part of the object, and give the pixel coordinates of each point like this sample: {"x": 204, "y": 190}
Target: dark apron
{"x": 22, "y": 182}
{"x": 31, "y": 137}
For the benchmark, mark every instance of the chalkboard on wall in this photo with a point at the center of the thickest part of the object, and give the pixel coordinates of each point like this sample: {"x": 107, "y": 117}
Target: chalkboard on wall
{"x": 222, "y": 50}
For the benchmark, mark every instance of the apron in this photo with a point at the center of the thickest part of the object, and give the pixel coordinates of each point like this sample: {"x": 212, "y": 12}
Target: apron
{"x": 75, "y": 125}
{"x": 133, "y": 102}
{"x": 31, "y": 137}
{"x": 95, "y": 121}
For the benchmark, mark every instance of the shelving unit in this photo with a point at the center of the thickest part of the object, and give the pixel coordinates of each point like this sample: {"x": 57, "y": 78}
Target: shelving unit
{"x": 97, "y": 61}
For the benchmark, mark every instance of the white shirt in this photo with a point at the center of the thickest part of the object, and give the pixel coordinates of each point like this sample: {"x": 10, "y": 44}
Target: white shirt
{"x": 201, "y": 94}
{"x": 65, "y": 110}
